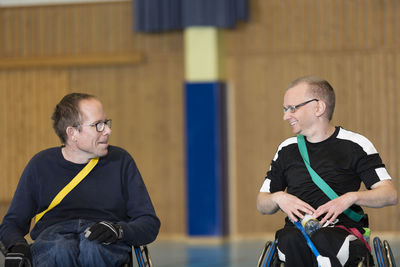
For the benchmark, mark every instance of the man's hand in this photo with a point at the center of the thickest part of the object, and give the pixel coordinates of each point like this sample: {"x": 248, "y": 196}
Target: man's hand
{"x": 333, "y": 208}
{"x": 294, "y": 207}
{"x": 104, "y": 232}
{"x": 18, "y": 256}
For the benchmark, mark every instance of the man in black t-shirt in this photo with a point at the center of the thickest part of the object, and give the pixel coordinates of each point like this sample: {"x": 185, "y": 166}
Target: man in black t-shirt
{"x": 343, "y": 159}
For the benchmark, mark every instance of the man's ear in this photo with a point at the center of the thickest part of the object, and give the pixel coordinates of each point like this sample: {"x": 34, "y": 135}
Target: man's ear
{"x": 320, "y": 108}
{"x": 71, "y": 132}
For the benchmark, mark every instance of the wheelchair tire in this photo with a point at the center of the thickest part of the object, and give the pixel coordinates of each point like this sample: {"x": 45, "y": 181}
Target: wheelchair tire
{"x": 264, "y": 251}
{"x": 142, "y": 256}
{"x": 389, "y": 254}
{"x": 380, "y": 253}
{"x": 268, "y": 256}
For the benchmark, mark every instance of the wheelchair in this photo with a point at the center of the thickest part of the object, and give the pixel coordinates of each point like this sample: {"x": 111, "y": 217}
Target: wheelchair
{"x": 383, "y": 254}
{"x": 140, "y": 257}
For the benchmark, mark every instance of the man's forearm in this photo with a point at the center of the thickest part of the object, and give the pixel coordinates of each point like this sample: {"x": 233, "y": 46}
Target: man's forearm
{"x": 141, "y": 231}
{"x": 381, "y": 195}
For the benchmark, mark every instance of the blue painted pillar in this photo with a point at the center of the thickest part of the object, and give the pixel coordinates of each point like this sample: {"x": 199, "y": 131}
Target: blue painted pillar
{"x": 206, "y": 137}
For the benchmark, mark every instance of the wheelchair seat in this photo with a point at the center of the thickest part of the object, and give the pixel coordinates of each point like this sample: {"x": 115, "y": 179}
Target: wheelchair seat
{"x": 383, "y": 254}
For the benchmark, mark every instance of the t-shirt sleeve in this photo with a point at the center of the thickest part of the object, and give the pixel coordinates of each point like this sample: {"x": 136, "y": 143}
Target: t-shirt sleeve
{"x": 275, "y": 180}
{"x": 369, "y": 165}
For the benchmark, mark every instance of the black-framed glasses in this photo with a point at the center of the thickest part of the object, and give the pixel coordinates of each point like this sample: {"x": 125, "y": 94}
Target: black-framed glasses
{"x": 101, "y": 125}
{"x": 293, "y": 109}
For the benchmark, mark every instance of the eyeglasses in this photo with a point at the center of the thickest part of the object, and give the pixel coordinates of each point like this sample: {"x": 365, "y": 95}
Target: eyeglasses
{"x": 293, "y": 109}
{"x": 101, "y": 125}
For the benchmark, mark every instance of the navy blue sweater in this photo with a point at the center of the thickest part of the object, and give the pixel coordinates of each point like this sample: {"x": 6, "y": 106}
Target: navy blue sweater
{"x": 113, "y": 191}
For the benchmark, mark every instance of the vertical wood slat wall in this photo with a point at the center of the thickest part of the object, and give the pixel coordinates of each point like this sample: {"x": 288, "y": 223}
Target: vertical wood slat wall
{"x": 353, "y": 44}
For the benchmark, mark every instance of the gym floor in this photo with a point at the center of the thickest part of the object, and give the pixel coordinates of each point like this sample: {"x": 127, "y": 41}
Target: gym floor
{"x": 232, "y": 254}
{"x": 219, "y": 254}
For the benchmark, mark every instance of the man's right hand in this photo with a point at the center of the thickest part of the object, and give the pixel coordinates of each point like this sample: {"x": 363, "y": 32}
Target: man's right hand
{"x": 18, "y": 256}
{"x": 293, "y": 206}
{"x": 268, "y": 203}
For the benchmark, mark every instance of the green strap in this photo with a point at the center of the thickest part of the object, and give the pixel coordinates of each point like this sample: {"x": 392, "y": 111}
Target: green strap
{"x": 320, "y": 182}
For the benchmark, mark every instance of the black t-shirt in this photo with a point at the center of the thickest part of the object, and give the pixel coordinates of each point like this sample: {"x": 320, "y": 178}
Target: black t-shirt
{"x": 343, "y": 161}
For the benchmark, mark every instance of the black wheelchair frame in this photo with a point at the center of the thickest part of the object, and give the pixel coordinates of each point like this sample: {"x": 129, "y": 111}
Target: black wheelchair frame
{"x": 383, "y": 254}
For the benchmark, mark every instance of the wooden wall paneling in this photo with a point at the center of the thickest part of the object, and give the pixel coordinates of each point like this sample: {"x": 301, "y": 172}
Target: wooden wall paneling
{"x": 396, "y": 23}
{"x": 371, "y": 23}
{"x": 250, "y": 41}
{"x": 349, "y": 24}
{"x": 6, "y": 23}
{"x": 69, "y": 29}
{"x": 262, "y": 38}
{"x": 314, "y": 24}
{"x": 362, "y": 70}
{"x": 326, "y": 24}
{"x": 370, "y": 122}
{"x": 391, "y": 148}
{"x": 277, "y": 29}
{"x": 69, "y": 36}
{"x": 391, "y": 114}
{"x": 4, "y": 132}
{"x": 86, "y": 60}
{"x": 1, "y": 31}
{"x": 387, "y": 23}
{"x": 384, "y": 127}
{"x": 26, "y": 113}
{"x": 249, "y": 117}
{"x": 396, "y": 160}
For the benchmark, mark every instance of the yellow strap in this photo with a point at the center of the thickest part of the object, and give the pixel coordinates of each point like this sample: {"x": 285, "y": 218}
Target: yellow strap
{"x": 74, "y": 182}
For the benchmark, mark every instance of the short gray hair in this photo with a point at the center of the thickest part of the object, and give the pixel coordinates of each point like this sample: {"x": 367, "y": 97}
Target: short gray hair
{"x": 320, "y": 89}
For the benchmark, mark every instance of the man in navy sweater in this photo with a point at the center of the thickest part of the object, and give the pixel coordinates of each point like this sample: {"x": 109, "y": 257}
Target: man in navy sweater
{"x": 100, "y": 218}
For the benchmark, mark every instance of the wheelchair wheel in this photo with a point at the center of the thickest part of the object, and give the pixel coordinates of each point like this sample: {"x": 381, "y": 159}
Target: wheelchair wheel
{"x": 268, "y": 256}
{"x": 389, "y": 253}
{"x": 142, "y": 256}
{"x": 264, "y": 251}
{"x": 383, "y": 253}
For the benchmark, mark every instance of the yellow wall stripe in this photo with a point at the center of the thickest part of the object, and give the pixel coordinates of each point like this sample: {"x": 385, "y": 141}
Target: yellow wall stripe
{"x": 204, "y": 54}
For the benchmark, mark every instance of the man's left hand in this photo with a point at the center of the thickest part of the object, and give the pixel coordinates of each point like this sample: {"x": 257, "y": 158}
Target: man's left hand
{"x": 333, "y": 208}
{"x": 104, "y": 232}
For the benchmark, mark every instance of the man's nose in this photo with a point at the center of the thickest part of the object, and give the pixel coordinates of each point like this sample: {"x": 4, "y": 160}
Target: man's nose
{"x": 286, "y": 115}
{"x": 107, "y": 130}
